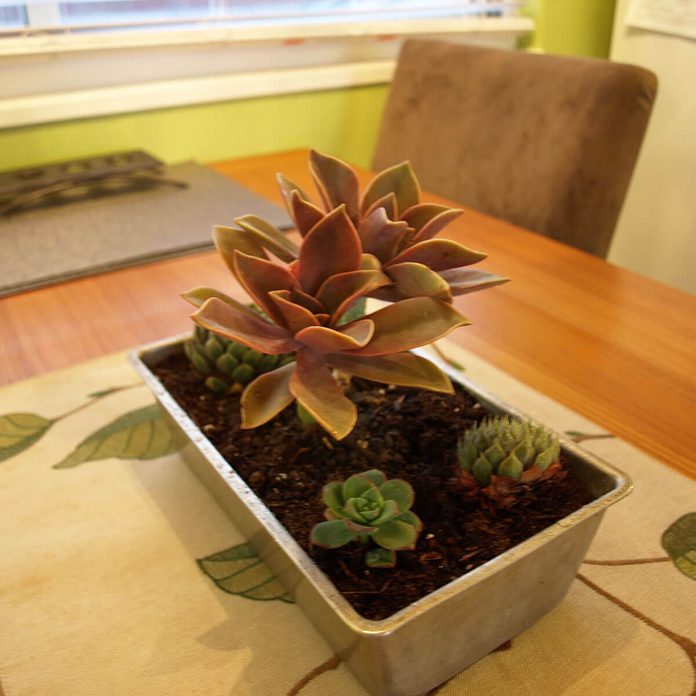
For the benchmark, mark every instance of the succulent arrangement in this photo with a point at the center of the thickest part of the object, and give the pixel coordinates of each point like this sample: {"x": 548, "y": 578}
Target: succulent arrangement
{"x": 306, "y": 334}
{"x": 368, "y": 506}
{"x": 500, "y": 451}
{"x": 381, "y": 245}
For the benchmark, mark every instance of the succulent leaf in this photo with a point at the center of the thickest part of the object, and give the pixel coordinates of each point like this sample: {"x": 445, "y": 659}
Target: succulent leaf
{"x": 266, "y": 396}
{"x": 295, "y": 316}
{"x": 361, "y": 530}
{"x": 336, "y": 181}
{"x": 374, "y": 475}
{"x": 417, "y": 216}
{"x": 287, "y": 186}
{"x": 482, "y": 470}
{"x": 304, "y": 213}
{"x": 355, "y": 486}
{"x": 544, "y": 459}
{"x": 332, "y": 246}
{"x": 466, "y": 280}
{"x": 243, "y": 374}
{"x": 332, "y": 495}
{"x": 216, "y": 385}
{"x": 388, "y": 203}
{"x": 340, "y": 291}
{"x": 226, "y": 364}
{"x": 511, "y": 467}
{"x": 389, "y": 510}
{"x": 198, "y": 296}
{"x": 214, "y": 348}
{"x": 399, "y": 180}
{"x": 411, "y": 518}
{"x": 409, "y": 324}
{"x": 315, "y": 388}
{"x": 495, "y": 453}
{"x": 417, "y": 280}
{"x": 229, "y": 240}
{"x": 401, "y": 492}
{"x": 525, "y": 451}
{"x": 434, "y": 226}
{"x": 400, "y": 369}
{"x": 380, "y": 558}
{"x": 369, "y": 262}
{"x": 325, "y": 340}
{"x": 247, "y": 328}
{"x": 308, "y": 301}
{"x": 396, "y": 535}
{"x": 260, "y": 277}
{"x": 268, "y": 236}
{"x": 439, "y": 254}
{"x": 332, "y": 534}
{"x": 381, "y": 236}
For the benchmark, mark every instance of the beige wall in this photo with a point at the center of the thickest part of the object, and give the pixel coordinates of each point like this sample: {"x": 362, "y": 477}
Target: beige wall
{"x": 656, "y": 235}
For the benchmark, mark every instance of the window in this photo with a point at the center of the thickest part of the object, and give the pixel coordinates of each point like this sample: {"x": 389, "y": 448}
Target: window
{"x": 62, "y": 59}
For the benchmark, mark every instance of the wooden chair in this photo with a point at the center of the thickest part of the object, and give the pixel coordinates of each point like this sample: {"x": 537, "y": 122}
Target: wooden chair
{"x": 545, "y": 142}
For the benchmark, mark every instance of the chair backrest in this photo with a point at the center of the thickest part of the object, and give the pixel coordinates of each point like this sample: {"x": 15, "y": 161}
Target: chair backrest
{"x": 546, "y": 142}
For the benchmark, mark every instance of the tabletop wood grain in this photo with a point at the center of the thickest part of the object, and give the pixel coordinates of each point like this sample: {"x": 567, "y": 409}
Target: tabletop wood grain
{"x": 614, "y": 346}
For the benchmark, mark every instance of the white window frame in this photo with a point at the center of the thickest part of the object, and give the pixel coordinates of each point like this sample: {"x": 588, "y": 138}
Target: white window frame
{"x": 58, "y": 76}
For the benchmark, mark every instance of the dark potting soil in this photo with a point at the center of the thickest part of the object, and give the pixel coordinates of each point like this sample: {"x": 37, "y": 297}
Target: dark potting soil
{"x": 407, "y": 433}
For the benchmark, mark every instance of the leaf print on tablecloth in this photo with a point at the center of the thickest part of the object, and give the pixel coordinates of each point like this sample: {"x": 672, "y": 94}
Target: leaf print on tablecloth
{"x": 577, "y": 436}
{"x": 679, "y": 541}
{"x": 239, "y": 571}
{"x": 139, "y": 434}
{"x": 18, "y": 431}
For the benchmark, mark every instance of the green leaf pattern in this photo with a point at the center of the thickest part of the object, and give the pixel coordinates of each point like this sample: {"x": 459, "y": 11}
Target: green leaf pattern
{"x": 238, "y": 570}
{"x": 139, "y": 434}
{"x": 18, "y": 431}
{"x": 679, "y": 540}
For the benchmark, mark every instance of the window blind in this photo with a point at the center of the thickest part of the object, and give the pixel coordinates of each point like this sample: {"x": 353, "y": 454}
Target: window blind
{"x": 32, "y": 17}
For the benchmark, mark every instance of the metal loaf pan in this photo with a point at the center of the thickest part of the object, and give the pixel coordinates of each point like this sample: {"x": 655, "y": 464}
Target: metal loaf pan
{"x": 431, "y": 640}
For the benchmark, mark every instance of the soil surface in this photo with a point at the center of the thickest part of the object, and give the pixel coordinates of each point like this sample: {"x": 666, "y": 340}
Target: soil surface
{"x": 407, "y": 433}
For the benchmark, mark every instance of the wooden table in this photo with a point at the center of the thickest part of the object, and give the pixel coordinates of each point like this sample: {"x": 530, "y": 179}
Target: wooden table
{"x": 614, "y": 346}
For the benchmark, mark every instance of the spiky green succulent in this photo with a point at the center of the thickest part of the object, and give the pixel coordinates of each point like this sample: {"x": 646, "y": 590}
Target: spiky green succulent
{"x": 368, "y": 506}
{"x": 504, "y": 446}
{"x": 228, "y": 366}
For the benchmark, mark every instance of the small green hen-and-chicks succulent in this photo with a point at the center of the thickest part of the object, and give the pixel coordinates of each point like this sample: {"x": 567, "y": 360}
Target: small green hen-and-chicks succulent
{"x": 501, "y": 451}
{"x": 227, "y": 366}
{"x": 368, "y": 506}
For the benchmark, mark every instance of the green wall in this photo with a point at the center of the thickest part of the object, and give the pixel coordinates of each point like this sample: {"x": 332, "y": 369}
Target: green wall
{"x": 573, "y": 27}
{"x": 343, "y": 122}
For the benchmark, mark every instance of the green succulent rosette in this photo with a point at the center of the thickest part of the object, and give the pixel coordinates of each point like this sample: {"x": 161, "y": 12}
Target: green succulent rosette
{"x": 368, "y": 506}
{"x": 507, "y": 447}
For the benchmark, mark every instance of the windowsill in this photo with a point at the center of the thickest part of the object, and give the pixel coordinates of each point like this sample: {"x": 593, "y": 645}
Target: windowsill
{"x": 55, "y": 78}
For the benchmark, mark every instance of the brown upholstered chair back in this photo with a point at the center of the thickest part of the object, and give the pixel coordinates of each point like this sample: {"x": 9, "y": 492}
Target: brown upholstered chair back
{"x": 546, "y": 142}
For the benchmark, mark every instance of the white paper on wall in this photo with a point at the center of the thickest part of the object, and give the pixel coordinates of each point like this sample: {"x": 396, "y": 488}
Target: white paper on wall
{"x": 666, "y": 16}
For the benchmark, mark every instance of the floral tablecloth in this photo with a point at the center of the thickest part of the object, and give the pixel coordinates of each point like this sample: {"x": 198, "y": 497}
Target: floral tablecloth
{"x": 119, "y": 574}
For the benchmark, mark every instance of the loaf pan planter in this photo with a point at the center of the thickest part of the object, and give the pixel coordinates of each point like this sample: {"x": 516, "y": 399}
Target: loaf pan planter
{"x": 431, "y": 640}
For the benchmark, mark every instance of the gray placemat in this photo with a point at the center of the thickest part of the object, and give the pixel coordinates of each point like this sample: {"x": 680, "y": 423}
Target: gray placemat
{"x": 56, "y": 244}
